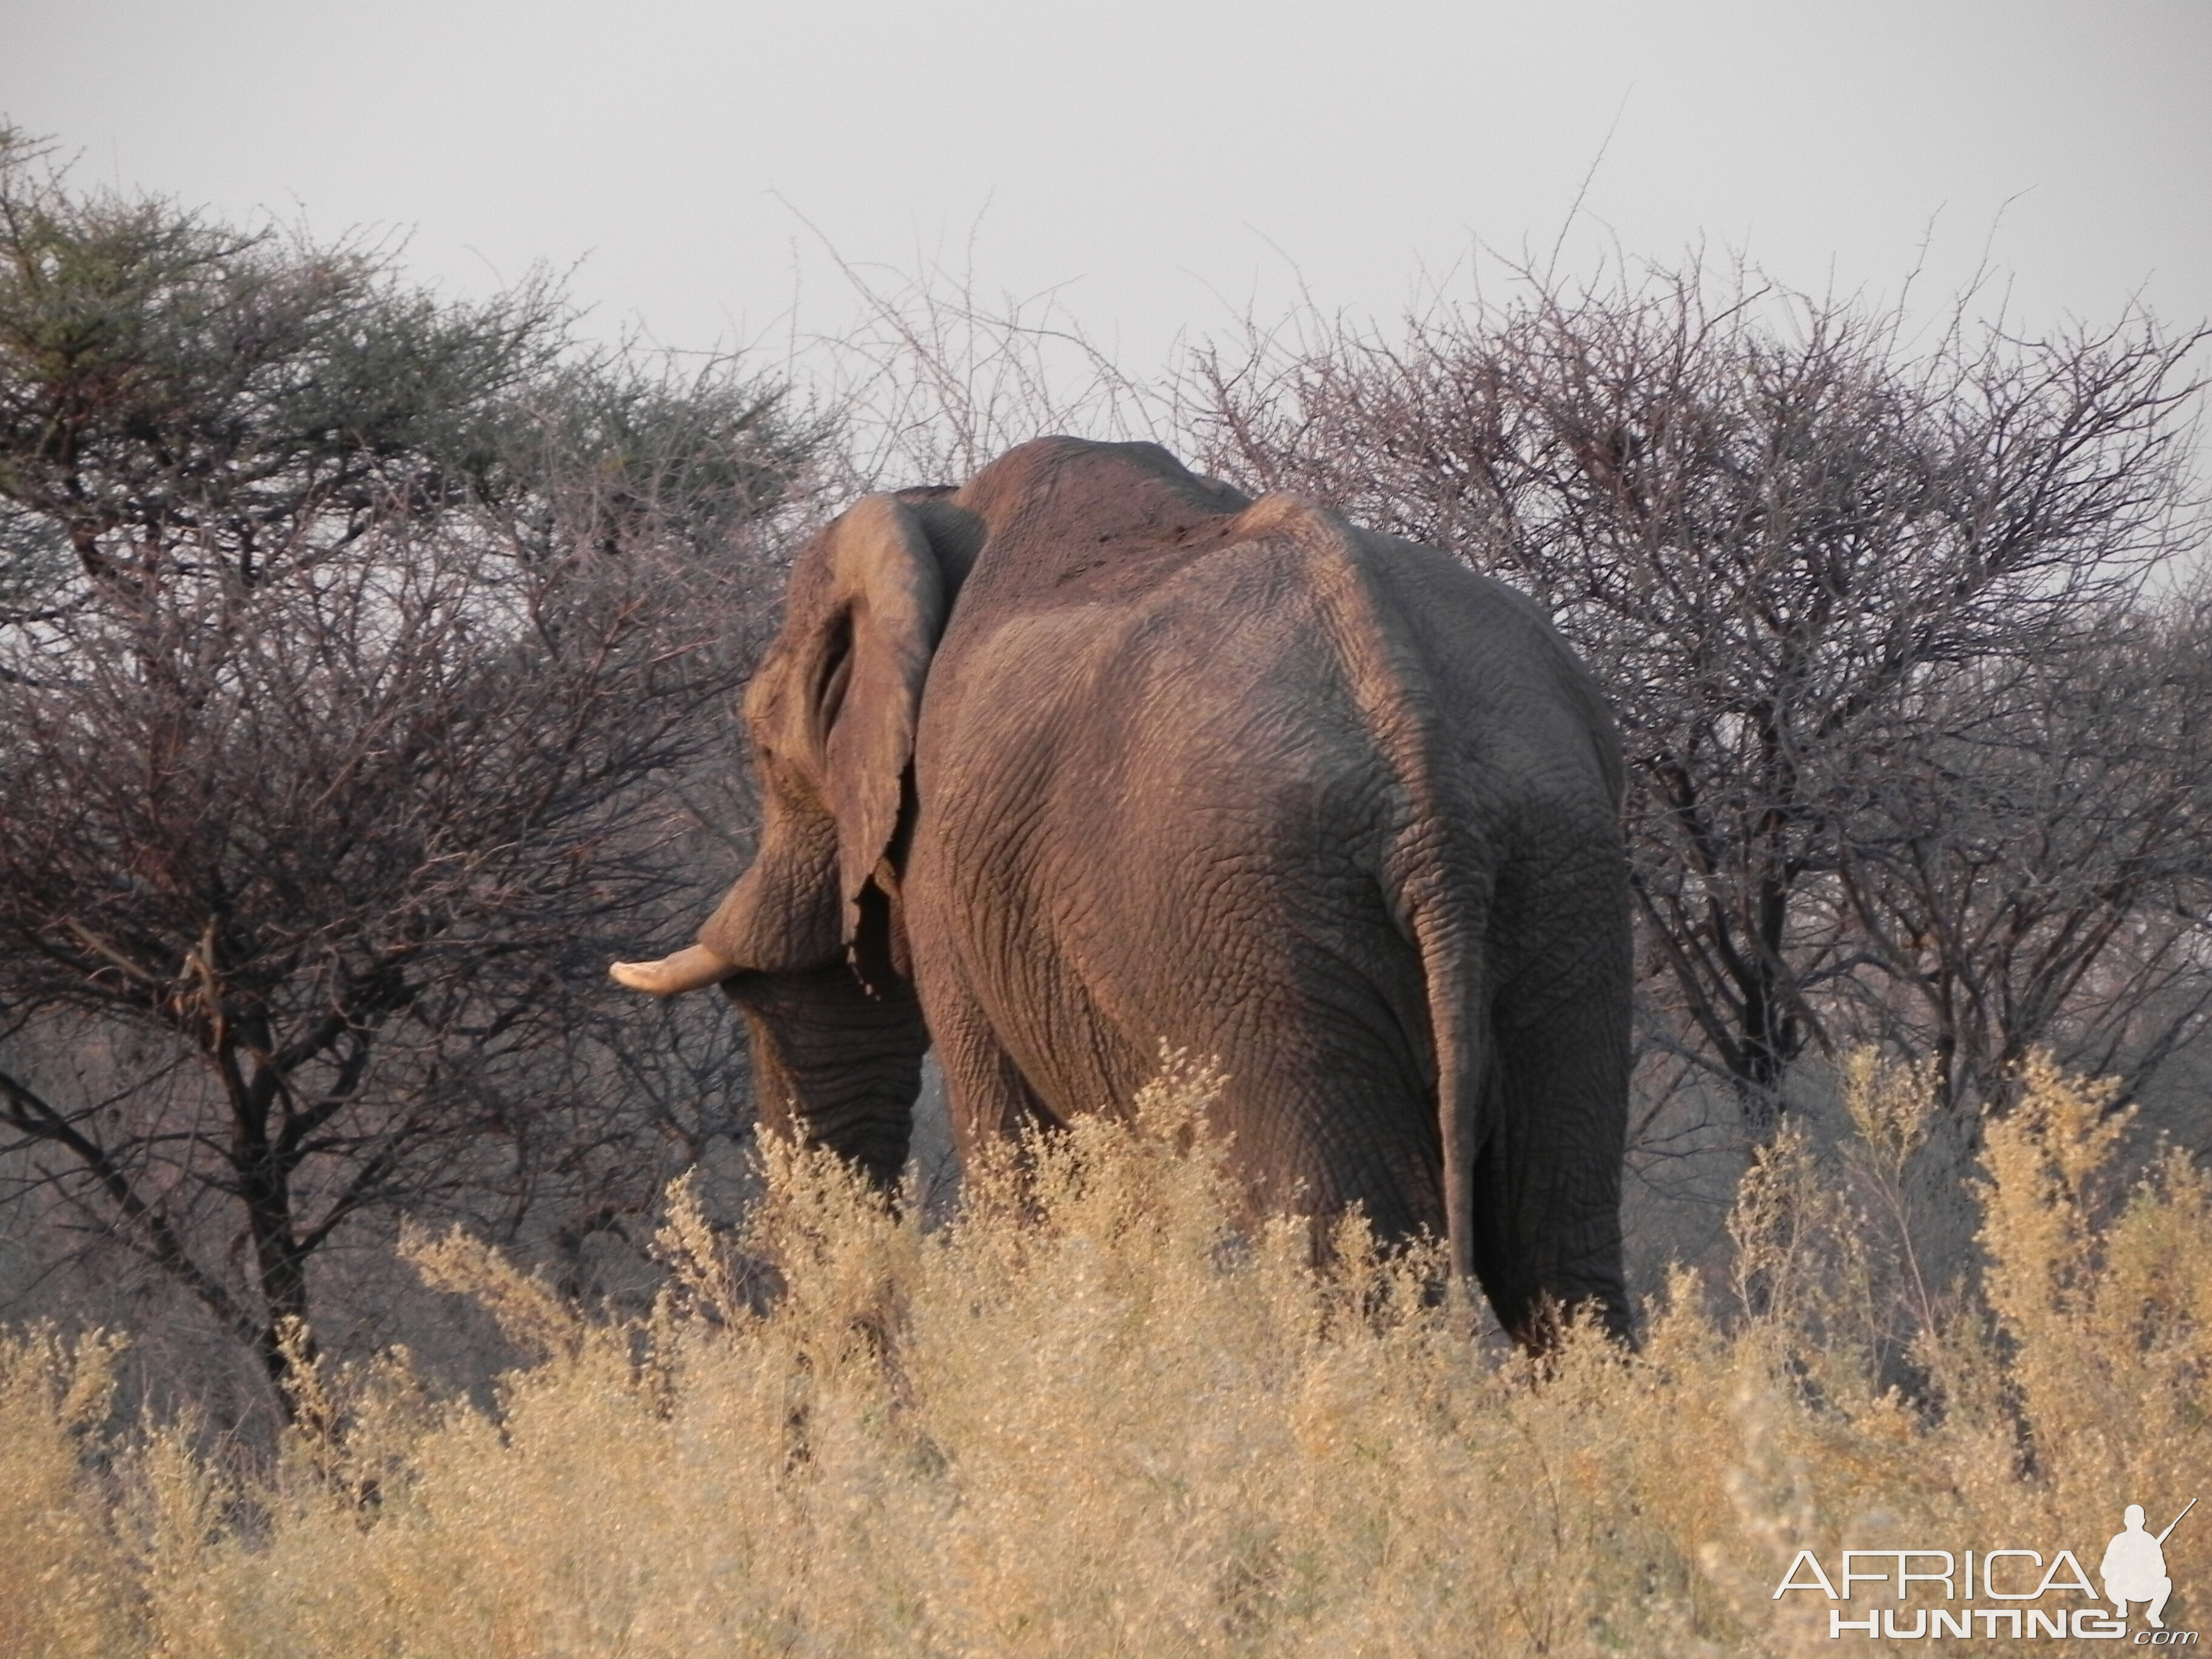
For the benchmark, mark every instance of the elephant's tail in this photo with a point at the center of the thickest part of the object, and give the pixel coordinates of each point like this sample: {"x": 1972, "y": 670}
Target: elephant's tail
{"x": 1436, "y": 875}
{"x": 1451, "y": 965}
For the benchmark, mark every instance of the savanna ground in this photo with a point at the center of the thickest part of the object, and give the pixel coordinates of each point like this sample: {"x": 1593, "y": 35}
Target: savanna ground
{"x": 1090, "y": 1414}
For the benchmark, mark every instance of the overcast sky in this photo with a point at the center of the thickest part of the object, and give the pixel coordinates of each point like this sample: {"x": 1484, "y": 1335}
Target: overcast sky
{"x": 1163, "y": 164}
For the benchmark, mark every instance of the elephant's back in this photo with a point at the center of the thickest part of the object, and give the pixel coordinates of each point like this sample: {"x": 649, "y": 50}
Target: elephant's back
{"x": 1500, "y": 668}
{"x": 1277, "y": 643}
{"x": 1153, "y": 702}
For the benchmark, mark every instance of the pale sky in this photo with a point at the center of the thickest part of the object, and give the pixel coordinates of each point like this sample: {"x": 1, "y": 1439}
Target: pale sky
{"x": 1162, "y": 166}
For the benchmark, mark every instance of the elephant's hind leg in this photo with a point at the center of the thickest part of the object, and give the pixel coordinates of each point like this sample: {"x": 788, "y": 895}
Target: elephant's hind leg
{"x": 1546, "y": 1184}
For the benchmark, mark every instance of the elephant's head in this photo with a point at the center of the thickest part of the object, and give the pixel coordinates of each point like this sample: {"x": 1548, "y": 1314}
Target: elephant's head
{"x": 811, "y": 941}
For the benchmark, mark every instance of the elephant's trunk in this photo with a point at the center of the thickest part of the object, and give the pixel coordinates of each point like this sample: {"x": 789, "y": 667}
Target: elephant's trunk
{"x": 687, "y": 970}
{"x": 838, "y": 1062}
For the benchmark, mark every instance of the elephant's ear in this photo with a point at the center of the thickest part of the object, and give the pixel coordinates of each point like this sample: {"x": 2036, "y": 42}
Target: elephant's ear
{"x": 890, "y": 608}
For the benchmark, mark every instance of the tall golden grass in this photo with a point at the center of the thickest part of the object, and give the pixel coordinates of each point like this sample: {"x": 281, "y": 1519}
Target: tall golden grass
{"x": 1091, "y": 1416}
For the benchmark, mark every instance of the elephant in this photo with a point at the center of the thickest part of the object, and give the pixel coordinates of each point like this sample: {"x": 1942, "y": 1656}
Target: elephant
{"x": 1091, "y": 754}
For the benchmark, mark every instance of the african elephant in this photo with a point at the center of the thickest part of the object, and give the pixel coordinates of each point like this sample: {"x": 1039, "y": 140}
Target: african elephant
{"x": 1091, "y": 753}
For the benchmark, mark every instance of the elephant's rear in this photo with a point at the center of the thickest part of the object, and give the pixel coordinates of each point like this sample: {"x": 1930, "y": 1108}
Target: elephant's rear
{"x": 1541, "y": 995}
{"x": 1258, "y": 810}
{"x": 1504, "y": 868}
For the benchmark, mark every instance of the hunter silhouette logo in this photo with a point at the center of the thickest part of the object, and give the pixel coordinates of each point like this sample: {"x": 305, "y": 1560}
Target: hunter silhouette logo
{"x": 2134, "y": 1568}
{"x": 2016, "y": 1593}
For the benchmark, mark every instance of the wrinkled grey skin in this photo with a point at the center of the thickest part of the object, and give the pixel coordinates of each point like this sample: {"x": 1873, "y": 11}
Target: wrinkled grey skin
{"x": 1092, "y": 753}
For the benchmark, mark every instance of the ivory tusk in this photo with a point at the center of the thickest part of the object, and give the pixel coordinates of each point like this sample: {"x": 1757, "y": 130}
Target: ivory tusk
{"x": 687, "y": 970}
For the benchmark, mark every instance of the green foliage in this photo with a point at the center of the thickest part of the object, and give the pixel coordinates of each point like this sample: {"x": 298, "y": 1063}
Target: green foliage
{"x": 167, "y": 381}
{"x": 610, "y": 445}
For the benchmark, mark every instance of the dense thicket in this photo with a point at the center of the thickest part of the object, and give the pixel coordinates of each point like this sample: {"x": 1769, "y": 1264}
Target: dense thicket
{"x": 357, "y": 641}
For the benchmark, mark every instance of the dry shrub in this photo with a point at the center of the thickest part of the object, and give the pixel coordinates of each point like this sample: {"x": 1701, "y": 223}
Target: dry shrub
{"x": 64, "y": 1580}
{"x": 1094, "y": 1415}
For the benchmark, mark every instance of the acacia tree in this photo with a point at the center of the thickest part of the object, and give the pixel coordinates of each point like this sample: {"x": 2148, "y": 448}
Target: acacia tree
{"x": 334, "y": 760}
{"x": 1798, "y": 547}
{"x": 2034, "y": 871}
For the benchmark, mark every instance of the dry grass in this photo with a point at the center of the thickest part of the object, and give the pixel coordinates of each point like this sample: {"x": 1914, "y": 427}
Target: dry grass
{"x": 1089, "y": 1418}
